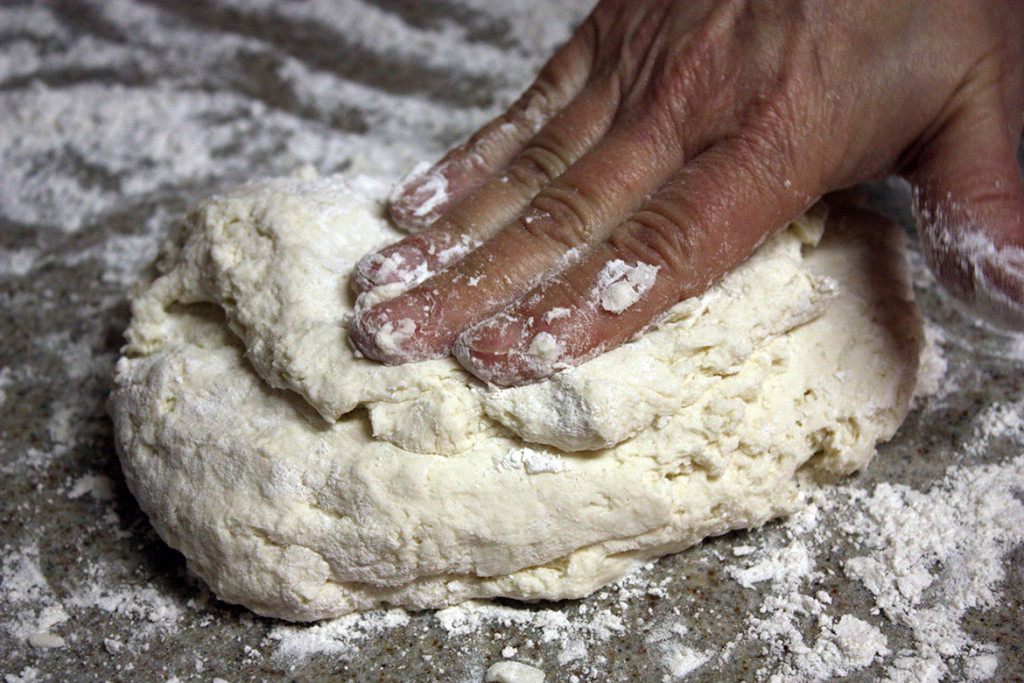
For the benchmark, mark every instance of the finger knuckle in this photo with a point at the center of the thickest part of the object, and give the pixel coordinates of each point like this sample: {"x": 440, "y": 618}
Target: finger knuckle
{"x": 655, "y": 236}
{"x": 685, "y": 73}
{"x": 537, "y": 166}
{"x": 532, "y": 110}
{"x": 569, "y": 213}
{"x": 769, "y": 145}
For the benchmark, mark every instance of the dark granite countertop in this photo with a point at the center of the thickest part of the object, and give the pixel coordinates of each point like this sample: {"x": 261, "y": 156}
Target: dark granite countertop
{"x": 115, "y": 115}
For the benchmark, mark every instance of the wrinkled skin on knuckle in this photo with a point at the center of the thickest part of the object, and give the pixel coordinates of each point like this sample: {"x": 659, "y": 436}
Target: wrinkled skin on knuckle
{"x": 558, "y": 77}
{"x": 698, "y": 83}
{"x": 536, "y": 167}
{"x": 634, "y": 41}
{"x": 660, "y": 236}
{"x": 533, "y": 106}
{"x": 568, "y": 216}
{"x": 994, "y": 75}
{"x": 679, "y": 100}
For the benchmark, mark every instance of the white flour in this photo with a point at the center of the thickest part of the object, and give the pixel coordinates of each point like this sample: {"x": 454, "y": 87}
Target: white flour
{"x": 131, "y": 141}
{"x": 620, "y": 285}
{"x": 926, "y": 557}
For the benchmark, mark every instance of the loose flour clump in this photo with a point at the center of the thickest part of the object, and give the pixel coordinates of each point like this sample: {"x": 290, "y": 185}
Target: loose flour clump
{"x": 574, "y": 634}
{"x": 675, "y": 652}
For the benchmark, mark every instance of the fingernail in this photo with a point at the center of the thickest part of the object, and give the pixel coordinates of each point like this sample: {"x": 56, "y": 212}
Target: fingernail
{"x": 501, "y": 351}
{"x": 494, "y": 336}
{"x": 419, "y": 199}
{"x": 382, "y": 335}
{"x": 490, "y": 350}
{"x": 403, "y": 263}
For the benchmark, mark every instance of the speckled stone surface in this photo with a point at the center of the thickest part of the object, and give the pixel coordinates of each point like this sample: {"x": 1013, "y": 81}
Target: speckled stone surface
{"x": 115, "y": 116}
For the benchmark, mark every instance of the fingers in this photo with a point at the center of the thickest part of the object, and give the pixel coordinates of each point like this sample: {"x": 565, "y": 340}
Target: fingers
{"x": 579, "y": 208}
{"x": 686, "y": 237}
{"x": 498, "y": 200}
{"x": 969, "y": 200}
{"x": 429, "y": 191}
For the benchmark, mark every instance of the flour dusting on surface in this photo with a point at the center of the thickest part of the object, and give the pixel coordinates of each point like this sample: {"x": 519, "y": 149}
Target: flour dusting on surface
{"x": 119, "y": 113}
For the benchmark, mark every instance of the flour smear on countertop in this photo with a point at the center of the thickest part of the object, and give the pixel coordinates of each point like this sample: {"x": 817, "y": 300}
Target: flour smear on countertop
{"x": 118, "y": 113}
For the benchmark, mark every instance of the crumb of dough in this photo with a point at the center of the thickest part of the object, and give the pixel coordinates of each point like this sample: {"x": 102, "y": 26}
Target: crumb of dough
{"x": 513, "y": 672}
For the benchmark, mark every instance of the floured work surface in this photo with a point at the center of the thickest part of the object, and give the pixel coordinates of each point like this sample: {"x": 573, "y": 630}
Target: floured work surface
{"x": 304, "y": 482}
{"x": 119, "y": 115}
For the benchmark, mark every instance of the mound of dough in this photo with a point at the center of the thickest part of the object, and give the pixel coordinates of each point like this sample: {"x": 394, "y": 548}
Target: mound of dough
{"x": 305, "y": 482}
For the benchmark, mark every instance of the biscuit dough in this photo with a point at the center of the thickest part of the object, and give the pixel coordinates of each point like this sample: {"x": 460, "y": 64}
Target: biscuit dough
{"x": 305, "y": 482}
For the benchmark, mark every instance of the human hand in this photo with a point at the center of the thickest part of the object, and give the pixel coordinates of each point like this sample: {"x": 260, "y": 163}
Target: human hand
{"x": 666, "y": 140}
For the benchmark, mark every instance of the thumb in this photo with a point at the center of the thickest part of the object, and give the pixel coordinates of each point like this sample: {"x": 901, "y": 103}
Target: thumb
{"x": 969, "y": 202}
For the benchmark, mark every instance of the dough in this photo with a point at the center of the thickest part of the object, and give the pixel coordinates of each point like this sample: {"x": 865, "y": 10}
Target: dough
{"x": 513, "y": 672}
{"x": 305, "y": 482}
